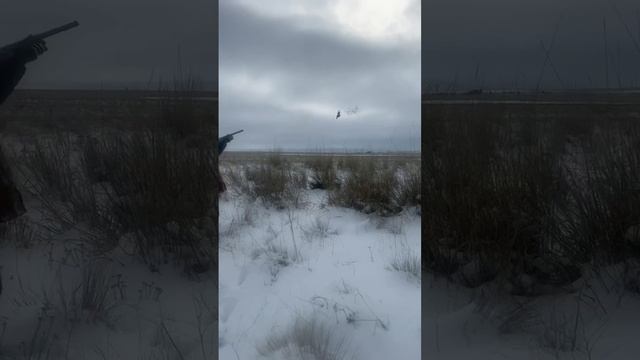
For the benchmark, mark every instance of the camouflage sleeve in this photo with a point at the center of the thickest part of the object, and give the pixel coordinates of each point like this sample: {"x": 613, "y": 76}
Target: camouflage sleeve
{"x": 222, "y": 144}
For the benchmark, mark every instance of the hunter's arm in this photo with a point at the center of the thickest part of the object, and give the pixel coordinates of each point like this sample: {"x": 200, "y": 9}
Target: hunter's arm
{"x": 222, "y": 143}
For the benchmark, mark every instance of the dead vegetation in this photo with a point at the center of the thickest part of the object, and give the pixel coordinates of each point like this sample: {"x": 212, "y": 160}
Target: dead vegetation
{"x": 366, "y": 183}
{"x": 522, "y": 194}
{"x": 152, "y": 184}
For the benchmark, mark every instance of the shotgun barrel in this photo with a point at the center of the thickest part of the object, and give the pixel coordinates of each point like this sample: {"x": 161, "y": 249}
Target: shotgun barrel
{"x": 41, "y": 36}
{"x": 57, "y": 30}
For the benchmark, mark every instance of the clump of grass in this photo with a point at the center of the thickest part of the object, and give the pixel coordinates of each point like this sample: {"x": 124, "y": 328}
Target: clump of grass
{"x": 407, "y": 262}
{"x": 306, "y": 339}
{"x": 68, "y": 198}
{"x": 370, "y": 187}
{"x": 323, "y": 173}
{"x": 276, "y": 182}
{"x": 144, "y": 183}
{"x": 606, "y": 198}
{"x": 235, "y": 179}
{"x": 19, "y": 232}
{"x": 528, "y": 193}
{"x": 408, "y": 186}
{"x": 366, "y": 184}
{"x": 95, "y": 298}
{"x": 157, "y": 189}
{"x": 487, "y": 195}
{"x": 277, "y": 255}
{"x": 101, "y": 292}
{"x": 49, "y": 167}
{"x": 162, "y": 180}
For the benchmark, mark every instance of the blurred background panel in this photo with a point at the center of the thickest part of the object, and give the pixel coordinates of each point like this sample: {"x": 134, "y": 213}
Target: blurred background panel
{"x": 110, "y": 141}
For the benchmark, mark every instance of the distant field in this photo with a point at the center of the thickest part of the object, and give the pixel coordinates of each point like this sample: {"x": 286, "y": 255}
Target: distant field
{"x": 240, "y": 156}
{"x": 572, "y": 111}
{"x": 566, "y": 97}
{"x": 87, "y": 109}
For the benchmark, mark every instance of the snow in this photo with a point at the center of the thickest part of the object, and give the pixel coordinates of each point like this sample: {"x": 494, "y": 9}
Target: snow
{"x": 482, "y": 323}
{"x": 33, "y": 277}
{"x": 343, "y": 277}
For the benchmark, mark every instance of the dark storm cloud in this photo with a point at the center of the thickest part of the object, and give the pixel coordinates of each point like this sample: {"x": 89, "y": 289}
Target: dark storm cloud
{"x": 501, "y": 39}
{"x": 284, "y": 80}
{"x": 118, "y": 43}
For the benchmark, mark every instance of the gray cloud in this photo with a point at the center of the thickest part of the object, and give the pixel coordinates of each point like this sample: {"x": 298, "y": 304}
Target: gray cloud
{"x": 283, "y": 79}
{"x": 118, "y": 43}
{"x": 502, "y": 39}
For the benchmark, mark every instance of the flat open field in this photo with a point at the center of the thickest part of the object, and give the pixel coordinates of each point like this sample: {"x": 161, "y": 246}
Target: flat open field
{"x": 86, "y": 110}
{"x": 244, "y": 156}
{"x": 631, "y": 97}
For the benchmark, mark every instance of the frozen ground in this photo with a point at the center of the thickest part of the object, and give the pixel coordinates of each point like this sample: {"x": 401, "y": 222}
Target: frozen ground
{"x": 599, "y": 319}
{"x": 145, "y": 315}
{"x": 316, "y": 265}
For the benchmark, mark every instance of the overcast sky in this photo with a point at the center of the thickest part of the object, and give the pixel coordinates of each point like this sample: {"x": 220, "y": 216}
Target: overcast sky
{"x": 501, "y": 38}
{"x": 119, "y": 42}
{"x": 288, "y": 66}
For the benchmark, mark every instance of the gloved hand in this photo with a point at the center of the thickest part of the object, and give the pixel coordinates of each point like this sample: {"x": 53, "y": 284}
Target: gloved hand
{"x": 223, "y": 141}
{"x": 12, "y": 63}
{"x": 30, "y": 50}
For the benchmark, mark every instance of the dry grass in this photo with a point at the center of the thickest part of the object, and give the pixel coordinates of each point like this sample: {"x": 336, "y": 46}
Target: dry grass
{"x": 407, "y": 262}
{"x": 368, "y": 186}
{"x": 324, "y": 174}
{"x": 523, "y": 193}
{"x": 276, "y": 182}
{"x": 154, "y": 183}
{"x": 371, "y": 184}
{"x": 306, "y": 339}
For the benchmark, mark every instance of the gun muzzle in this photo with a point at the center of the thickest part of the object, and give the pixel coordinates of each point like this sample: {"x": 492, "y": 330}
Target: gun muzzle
{"x": 57, "y": 30}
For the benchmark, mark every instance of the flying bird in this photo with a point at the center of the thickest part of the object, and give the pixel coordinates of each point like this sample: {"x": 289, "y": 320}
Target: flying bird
{"x": 338, "y": 115}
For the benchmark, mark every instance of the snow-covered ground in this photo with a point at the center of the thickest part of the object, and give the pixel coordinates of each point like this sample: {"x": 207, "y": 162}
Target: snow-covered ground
{"x": 146, "y": 315}
{"x": 288, "y": 276}
{"x": 597, "y": 319}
